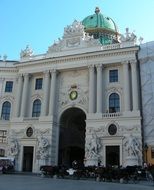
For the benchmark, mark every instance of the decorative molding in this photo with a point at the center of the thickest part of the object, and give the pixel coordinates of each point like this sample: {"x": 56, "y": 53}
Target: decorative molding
{"x": 5, "y": 98}
{"x": 82, "y": 98}
{"x": 116, "y": 88}
{"x": 110, "y": 123}
{"x": 36, "y": 96}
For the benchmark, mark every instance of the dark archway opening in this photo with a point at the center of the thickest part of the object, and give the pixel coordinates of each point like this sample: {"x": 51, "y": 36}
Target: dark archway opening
{"x": 72, "y": 137}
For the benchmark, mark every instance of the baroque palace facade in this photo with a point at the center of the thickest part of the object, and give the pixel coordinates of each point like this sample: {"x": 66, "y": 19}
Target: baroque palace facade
{"x": 78, "y": 101}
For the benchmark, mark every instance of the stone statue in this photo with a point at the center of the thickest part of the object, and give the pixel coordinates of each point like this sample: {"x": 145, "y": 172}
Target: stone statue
{"x": 128, "y": 37}
{"x": 26, "y": 52}
{"x": 75, "y": 28}
{"x": 132, "y": 146}
{"x": 14, "y": 149}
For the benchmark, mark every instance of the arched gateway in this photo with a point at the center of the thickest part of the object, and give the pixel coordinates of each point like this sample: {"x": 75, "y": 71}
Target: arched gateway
{"x": 72, "y": 137}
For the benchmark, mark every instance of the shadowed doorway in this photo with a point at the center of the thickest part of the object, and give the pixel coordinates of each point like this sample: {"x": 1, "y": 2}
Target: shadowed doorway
{"x": 28, "y": 158}
{"x": 72, "y": 137}
{"x": 112, "y": 155}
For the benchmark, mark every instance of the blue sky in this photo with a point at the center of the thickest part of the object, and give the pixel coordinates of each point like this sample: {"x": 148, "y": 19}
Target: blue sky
{"x": 40, "y": 22}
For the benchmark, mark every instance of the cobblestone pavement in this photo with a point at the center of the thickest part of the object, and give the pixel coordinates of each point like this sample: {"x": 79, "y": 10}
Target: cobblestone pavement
{"x": 30, "y": 182}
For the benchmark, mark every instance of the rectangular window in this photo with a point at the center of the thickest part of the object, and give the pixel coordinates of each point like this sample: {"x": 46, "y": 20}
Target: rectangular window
{"x": 38, "y": 84}
{"x": 152, "y": 152}
{"x": 2, "y": 152}
{"x": 113, "y": 75}
{"x": 9, "y": 86}
{"x": 3, "y": 136}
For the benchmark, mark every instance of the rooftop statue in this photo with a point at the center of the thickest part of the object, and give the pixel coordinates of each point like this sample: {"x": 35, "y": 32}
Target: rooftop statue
{"x": 128, "y": 37}
{"x": 26, "y": 52}
{"x": 75, "y": 28}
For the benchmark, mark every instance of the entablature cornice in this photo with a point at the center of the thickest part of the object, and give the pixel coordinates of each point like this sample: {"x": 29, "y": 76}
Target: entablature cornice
{"x": 80, "y": 57}
{"x": 10, "y": 70}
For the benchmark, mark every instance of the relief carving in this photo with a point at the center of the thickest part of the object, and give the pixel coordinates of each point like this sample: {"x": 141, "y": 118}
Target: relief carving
{"x": 93, "y": 146}
{"x": 42, "y": 150}
{"x": 132, "y": 146}
{"x": 13, "y": 147}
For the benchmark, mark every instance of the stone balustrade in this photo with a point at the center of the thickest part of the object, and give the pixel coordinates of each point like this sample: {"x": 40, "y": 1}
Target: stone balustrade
{"x": 116, "y": 114}
{"x": 111, "y": 46}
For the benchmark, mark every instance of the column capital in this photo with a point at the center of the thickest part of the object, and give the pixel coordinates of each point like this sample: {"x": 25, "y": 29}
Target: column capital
{"x": 46, "y": 72}
{"x": 26, "y": 75}
{"x": 19, "y": 75}
{"x": 125, "y": 62}
{"x": 133, "y": 61}
{"x": 91, "y": 66}
{"x": 53, "y": 71}
{"x": 99, "y": 66}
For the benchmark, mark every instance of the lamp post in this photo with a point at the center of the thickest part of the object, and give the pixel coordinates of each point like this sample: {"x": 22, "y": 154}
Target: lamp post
{"x": 146, "y": 150}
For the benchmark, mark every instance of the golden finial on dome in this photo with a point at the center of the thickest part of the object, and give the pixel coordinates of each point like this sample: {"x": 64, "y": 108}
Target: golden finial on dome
{"x": 97, "y": 10}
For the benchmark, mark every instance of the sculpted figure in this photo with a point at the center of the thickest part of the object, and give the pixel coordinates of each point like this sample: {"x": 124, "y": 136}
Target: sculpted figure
{"x": 132, "y": 146}
{"x": 27, "y": 52}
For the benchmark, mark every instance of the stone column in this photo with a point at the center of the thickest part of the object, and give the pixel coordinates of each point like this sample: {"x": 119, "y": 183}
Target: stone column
{"x": 46, "y": 93}
{"x": 99, "y": 88}
{"x": 135, "y": 93}
{"x": 24, "y": 95}
{"x": 18, "y": 96}
{"x": 91, "y": 89}
{"x": 52, "y": 91}
{"x": 126, "y": 86}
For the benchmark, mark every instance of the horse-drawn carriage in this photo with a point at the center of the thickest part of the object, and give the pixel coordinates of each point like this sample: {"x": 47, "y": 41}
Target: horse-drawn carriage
{"x": 100, "y": 173}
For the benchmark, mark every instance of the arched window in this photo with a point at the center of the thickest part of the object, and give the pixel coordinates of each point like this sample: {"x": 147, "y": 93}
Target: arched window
{"x": 36, "y": 108}
{"x": 6, "y": 109}
{"x": 114, "y": 103}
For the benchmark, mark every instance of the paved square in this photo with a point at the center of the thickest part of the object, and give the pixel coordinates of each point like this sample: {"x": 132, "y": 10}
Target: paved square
{"x": 24, "y": 182}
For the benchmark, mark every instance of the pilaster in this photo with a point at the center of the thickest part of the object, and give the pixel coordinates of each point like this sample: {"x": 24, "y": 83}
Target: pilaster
{"x": 126, "y": 85}
{"x": 135, "y": 93}
{"x": 52, "y": 91}
{"x": 46, "y": 93}
{"x": 99, "y": 88}
{"x": 91, "y": 89}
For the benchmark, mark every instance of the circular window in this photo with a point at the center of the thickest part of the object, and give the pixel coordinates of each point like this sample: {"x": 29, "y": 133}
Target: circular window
{"x": 112, "y": 129}
{"x": 29, "y": 132}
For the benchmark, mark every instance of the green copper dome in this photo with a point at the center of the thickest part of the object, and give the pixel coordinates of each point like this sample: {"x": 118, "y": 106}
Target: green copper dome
{"x": 101, "y": 27}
